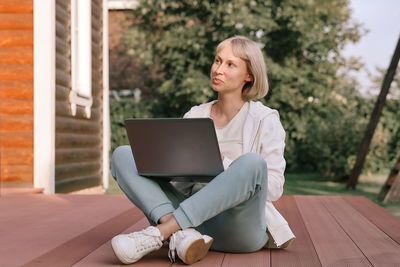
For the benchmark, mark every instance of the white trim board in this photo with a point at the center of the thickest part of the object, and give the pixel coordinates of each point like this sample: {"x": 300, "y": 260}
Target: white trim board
{"x": 122, "y": 4}
{"x": 44, "y": 95}
{"x": 106, "y": 105}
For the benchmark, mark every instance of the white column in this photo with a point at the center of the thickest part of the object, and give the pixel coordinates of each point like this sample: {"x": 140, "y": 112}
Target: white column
{"x": 106, "y": 105}
{"x": 84, "y": 48}
{"x": 44, "y": 94}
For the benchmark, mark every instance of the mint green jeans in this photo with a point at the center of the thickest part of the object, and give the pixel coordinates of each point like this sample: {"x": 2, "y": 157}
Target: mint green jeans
{"x": 230, "y": 208}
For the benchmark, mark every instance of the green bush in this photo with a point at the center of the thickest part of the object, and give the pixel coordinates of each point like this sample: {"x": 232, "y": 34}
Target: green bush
{"x": 385, "y": 146}
{"x": 122, "y": 109}
{"x": 329, "y": 143}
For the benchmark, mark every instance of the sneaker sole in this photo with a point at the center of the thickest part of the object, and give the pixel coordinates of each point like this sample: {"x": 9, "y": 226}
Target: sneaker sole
{"x": 197, "y": 250}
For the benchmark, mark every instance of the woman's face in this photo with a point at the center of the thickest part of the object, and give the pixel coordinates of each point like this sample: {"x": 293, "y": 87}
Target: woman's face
{"x": 228, "y": 72}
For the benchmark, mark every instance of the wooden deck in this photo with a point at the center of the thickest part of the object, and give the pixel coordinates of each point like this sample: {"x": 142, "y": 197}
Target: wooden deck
{"x": 75, "y": 230}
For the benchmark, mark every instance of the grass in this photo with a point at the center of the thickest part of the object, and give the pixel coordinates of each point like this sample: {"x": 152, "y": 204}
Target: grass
{"x": 313, "y": 184}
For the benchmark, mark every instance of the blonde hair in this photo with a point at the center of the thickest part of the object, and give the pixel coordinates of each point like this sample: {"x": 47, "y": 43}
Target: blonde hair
{"x": 250, "y": 52}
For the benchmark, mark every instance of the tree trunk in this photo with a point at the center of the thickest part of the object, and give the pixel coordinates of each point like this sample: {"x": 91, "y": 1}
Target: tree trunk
{"x": 362, "y": 153}
{"x": 394, "y": 192}
{"x": 388, "y": 186}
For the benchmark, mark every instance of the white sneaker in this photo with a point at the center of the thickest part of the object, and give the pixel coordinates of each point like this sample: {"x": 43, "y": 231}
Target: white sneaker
{"x": 190, "y": 245}
{"x": 130, "y": 248}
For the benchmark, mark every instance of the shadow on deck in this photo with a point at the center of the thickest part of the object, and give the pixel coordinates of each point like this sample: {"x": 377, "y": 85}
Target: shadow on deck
{"x": 75, "y": 230}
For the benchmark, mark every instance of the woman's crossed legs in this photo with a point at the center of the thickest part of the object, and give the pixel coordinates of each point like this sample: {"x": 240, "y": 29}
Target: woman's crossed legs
{"x": 230, "y": 208}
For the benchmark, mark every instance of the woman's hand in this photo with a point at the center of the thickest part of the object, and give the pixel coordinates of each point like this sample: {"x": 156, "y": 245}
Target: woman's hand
{"x": 222, "y": 157}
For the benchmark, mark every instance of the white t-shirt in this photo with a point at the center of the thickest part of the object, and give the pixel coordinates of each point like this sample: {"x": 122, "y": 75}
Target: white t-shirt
{"x": 230, "y": 137}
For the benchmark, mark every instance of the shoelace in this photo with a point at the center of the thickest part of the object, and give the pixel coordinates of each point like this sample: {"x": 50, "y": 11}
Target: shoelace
{"x": 173, "y": 240}
{"x": 145, "y": 240}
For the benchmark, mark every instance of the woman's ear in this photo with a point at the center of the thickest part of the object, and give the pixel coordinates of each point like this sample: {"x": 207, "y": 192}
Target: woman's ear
{"x": 249, "y": 78}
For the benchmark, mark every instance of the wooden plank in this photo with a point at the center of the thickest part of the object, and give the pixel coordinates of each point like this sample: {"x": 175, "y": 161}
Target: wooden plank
{"x": 16, "y": 72}
{"x": 16, "y": 55}
{"x": 69, "y": 155}
{"x": 77, "y": 183}
{"x": 16, "y": 106}
{"x": 66, "y": 140}
{"x": 96, "y": 9}
{"x": 301, "y": 251}
{"x": 16, "y": 139}
{"x": 63, "y": 63}
{"x": 16, "y": 89}
{"x": 387, "y": 222}
{"x": 16, "y": 156}
{"x": 62, "y": 93}
{"x": 62, "y": 31}
{"x": 62, "y": 3}
{"x": 104, "y": 256}
{"x": 94, "y": 217}
{"x": 16, "y": 122}
{"x": 17, "y": 173}
{"x": 80, "y": 246}
{"x": 96, "y": 28}
{"x": 20, "y": 190}
{"x": 212, "y": 259}
{"x": 97, "y": 62}
{"x": 64, "y": 171}
{"x": 326, "y": 234}
{"x": 16, "y": 38}
{"x": 18, "y": 178}
{"x": 379, "y": 248}
{"x": 62, "y": 47}
{"x": 96, "y": 80}
{"x": 63, "y": 78}
{"x": 16, "y": 21}
{"x": 72, "y": 125}
{"x": 61, "y": 14}
{"x": 16, "y": 6}
{"x": 97, "y": 95}
{"x": 260, "y": 259}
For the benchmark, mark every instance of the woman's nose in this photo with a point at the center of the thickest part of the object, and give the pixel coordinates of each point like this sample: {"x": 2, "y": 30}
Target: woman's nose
{"x": 219, "y": 69}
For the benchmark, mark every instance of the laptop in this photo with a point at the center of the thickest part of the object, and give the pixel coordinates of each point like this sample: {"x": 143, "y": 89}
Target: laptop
{"x": 175, "y": 149}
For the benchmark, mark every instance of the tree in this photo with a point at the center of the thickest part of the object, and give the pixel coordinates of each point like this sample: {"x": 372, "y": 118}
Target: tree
{"x": 127, "y": 71}
{"x": 373, "y": 122}
{"x": 301, "y": 41}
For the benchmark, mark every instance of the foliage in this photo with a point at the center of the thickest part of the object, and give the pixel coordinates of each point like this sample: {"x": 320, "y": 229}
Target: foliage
{"x": 309, "y": 84}
{"x": 121, "y": 110}
{"x": 385, "y": 147}
{"x": 329, "y": 141}
{"x": 127, "y": 71}
{"x": 301, "y": 44}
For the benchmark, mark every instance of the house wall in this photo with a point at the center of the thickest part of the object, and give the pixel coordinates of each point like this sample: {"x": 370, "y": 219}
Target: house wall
{"x": 78, "y": 140}
{"x": 16, "y": 92}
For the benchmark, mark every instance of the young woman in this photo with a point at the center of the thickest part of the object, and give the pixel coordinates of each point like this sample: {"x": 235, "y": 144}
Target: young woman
{"x": 233, "y": 212}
